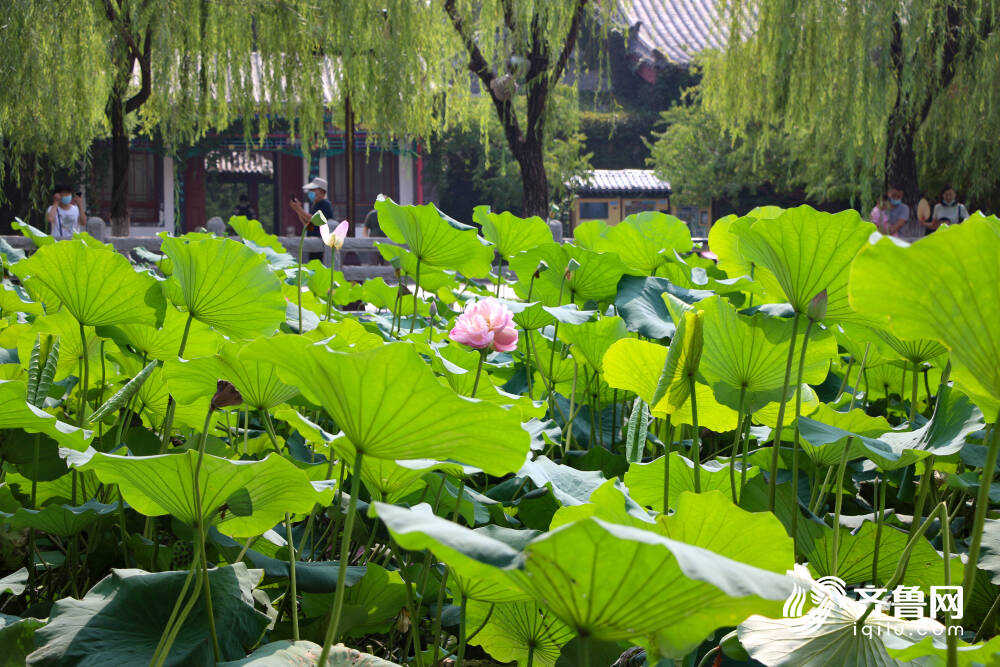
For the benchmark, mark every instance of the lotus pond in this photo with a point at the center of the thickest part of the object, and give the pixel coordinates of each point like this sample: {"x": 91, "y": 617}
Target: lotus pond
{"x": 640, "y": 454}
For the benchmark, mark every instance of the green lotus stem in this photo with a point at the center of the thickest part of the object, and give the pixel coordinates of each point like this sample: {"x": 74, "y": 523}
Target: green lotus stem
{"x": 746, "y": 451}
{"x": 879, "y": 521}
{"x": 246, "y": 431}
{"x": 168, "y": 420}
{"x": 795, "y": 438}
{"x": 817, "y": 502}
{"x": 298, "y": 274}
{"x": 584, "y": 651}
{"x": 410, "y": 605}
{"x": 982, "y": 503}
{"x": 329, "y": 298}
{"x": 292, "y": 588}
{"x": 572, "y": 417}
{"x": 696, "y": 436}
{"x": 952, "y": 641}
{"x": 904, "y": 558}
{"x": 345, "y": 556}
{"x": 666, "y": 466}
{"x": 271, "y": 434}
{"x": 178, "y": 615}
{"x": 479, "y": 371}
{"x": 847, "y": 376}
{"x": 736, "y": 442}
{"x": 614, "y": 416}
{"x": 461, "y": 632}
{"x": 436, "y": 628}
{"x": 552, "y": 360}
{"x": 499, "y": 273}
{"x": 922, "y": 490}
{"x": 527, "y": 361}
{"x": 776, "y": 441}
{"x": 201, "y": 533}
{"x": 913, "y": 395}
{"x": 927, "y": 384}
{"x": 416, "y": 289}
{"x": 838, "y": 505}
{"x": 81, "y": 417}
{"x": 531, "y": 654}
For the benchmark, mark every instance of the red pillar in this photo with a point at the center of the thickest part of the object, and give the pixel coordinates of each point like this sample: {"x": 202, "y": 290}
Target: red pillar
{"x": 194, "y": 193}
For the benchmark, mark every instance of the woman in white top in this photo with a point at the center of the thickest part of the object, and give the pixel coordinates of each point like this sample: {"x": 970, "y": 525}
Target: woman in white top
{"x": 65, "y": 215}
{"x": 947, "y": 211}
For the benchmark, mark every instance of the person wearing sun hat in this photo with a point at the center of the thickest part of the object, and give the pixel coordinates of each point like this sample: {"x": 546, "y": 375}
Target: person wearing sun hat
{"x": 316, "y": 194}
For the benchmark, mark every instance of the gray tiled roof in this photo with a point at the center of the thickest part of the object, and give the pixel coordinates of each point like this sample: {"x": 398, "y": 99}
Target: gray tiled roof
{"x": 621, "y": 182}
{"x": 677, "y": 29}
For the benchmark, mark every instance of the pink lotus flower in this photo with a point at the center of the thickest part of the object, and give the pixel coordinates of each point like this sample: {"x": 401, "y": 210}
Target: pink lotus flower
{"x": 486, "y": 324}
{"x": 334, "y": 239}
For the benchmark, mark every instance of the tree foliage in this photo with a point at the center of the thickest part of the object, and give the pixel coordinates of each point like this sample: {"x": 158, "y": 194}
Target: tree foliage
{"x": 873, "y": 90}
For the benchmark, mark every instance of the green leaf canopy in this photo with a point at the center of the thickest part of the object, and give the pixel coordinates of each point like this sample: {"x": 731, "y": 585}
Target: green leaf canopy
{"x": 509, "y": 233}
{"x": 945, "y": 288}
{"x": 227, "y": 286}
{"x": 644, "y": 241}
{"x": 390, "y": 405}
{"x": 99, "y": 287}
{"x": 808, "y": 252}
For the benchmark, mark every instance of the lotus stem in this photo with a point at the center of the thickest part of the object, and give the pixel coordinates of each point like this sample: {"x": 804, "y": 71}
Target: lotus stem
{"x": 982, "y": 503}
{"x": 666, "y": 466}
{"x": 479, "y": 371}
{"x": 292, "y": 588}
{"x": 746, "y": 452}
{"x": 736, "y": 443}
{"x": 416, "y": 289}
{"x": 776, "y": 441}
{"x": 795, "y": 439}
{"x": 709, "y": 658}
{"x": 461, "y": 632}
{"x": 345, "y": 554}
{"x": 168, "y": 420}
{"x": 838, "y": 506}
{"x": 572, "y": 417}
{"x": 847, "y": 377}
{"x": 436, "y": 628}
{"x": 298, "y": 274}
{"x": 922, "y": 490}
{"x": 178, "y": 615}
{"x": 913, "y": 395}
{"x": 82, "y": 416}
{"x": 329, "y": 299}
{"x": 499, "y": 273}
{"x": 200, "y": 527}
{"x": 695, "y": 436}
{"x": 879, "y": 520}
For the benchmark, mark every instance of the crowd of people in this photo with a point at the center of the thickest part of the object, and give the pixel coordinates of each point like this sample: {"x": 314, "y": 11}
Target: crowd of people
{"x": 891, "y": 214}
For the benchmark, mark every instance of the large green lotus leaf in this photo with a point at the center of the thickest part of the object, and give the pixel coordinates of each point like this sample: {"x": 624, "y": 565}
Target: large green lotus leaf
{"x": 749, "y": 354}
{"x": 344, "y": 291}
{"x": 164, "y": 484}
{"x": 62, "y": 520}
{"x": 569, "y": 485}
{"x": 98, "y": 287}
{"x": 945, "y": 288}
{"x": 16, "y": 412}
{"x": 14, "y": 583}
{"x": 592, "y": 339}
{"x": 673, "y": 387}
{"x": 511, "y": 629}
{"x": 824, "y": 451}
{"x": 612, "y": 503}
{"x": 372, "y": 604}
{"x": 390, "y": 481}
{"x": 645, "y": 480}
{"x": 808, "y": 252}
{"x": 645, "y": 240}
{"x": 635, "y": 365}
{"x": 584, "y": 573}
{"x": 191, "y": 380}
{"x": 953, "y": 419}
{"x": 480, "y": 559}
{"x": 286, "y": 653}
{"x": 434, "y": 238}
{"x": 390, "y": 405}
{"x": 913, "y": 351}
{"x": 640, "y": 301}
{"x": 596, "y": 278}
{"x": 509, "y": 233}
{"x": 227, "y": 286}
{"x": 165, "y": 342}
{"x": 830, "y": 636}
{"x": 724, "y": 241}
{"x": 107, "y": 627}
{"x": 857, "y": 552}
{"x": 256, "y": 380}
{"x": 252, "y": 230}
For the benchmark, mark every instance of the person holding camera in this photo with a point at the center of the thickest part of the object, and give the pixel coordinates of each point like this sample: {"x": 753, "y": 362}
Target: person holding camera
{"x": 66, "y": 215}
{"x": 316, "y": 194}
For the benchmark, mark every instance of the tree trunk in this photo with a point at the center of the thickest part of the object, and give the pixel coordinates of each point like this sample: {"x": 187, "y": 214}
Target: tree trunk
{"x": 119, "y": 168}
{"x": 534, "y": 180}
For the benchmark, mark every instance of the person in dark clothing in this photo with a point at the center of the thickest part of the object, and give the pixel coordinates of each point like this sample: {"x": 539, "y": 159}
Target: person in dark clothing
{"x": 244, "y": 208}
{"x": 316, "y": 194}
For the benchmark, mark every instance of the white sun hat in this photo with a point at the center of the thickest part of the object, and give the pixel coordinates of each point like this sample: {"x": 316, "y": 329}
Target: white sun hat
{"x": 316, "y": 184}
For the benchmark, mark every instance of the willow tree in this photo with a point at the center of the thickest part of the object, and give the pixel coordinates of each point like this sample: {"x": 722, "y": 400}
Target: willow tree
{"x": 519, "y": 51}
{"x": 180, "y": 68}
{"x": 868, "y": 85}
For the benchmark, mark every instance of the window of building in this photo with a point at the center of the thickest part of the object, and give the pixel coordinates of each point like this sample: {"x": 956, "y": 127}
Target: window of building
{"x": 594, "y": 210}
